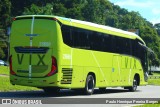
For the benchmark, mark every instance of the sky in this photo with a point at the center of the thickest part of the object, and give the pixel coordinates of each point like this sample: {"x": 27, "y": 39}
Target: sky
{"x": 149, "y": 9}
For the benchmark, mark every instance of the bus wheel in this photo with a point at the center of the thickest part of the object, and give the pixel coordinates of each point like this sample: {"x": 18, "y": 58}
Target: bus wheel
{"x": 134, "y": 86}
{"x": 90, "y": 84}
{"x": 51, "y": 90}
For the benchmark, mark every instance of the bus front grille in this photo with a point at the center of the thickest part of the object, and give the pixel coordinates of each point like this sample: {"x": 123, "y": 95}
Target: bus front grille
{"x": 67, "y": 76}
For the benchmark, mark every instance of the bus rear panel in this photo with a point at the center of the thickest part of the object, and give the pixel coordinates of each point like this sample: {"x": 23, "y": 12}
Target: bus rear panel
{"x": 33, "y": 51}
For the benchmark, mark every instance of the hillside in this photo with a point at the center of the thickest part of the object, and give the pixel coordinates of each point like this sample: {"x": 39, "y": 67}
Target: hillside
{"x": 97, "y": 11}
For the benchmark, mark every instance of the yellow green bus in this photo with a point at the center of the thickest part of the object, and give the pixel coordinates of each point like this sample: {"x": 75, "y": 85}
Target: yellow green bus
{"x": 53, "y": 53}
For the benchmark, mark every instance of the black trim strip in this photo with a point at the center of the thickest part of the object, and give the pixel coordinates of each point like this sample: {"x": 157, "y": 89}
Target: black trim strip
{"x": 31, "y": 50}
{"x": 21, "y": 18}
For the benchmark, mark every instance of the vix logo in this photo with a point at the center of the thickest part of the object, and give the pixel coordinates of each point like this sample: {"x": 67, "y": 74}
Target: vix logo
{"x": 20, "y": 58}
{"x": 31, "y": 35}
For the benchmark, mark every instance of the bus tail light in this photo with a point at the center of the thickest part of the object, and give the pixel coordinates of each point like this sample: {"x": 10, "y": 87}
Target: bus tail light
{"x": 53, "y": 67}
{"x": 10, "y": 66}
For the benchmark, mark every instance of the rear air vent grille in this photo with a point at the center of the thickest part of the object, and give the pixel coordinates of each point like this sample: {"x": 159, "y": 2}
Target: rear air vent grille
{"x": 67, "y": 76}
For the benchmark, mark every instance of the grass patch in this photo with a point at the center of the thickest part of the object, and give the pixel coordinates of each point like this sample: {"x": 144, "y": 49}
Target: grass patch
{"x": 4, "y": 70}
{"x": 149, "y": 105}
{"x": 5, "y": 86}
{"x": 156, "y": 74}
{"x": 154, "y": 81}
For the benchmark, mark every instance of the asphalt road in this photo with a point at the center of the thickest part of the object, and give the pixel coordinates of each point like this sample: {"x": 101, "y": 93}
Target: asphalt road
{"x": 149, "y": 91}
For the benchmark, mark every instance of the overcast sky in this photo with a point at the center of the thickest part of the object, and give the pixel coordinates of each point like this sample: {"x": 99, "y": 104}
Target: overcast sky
{"x": 149, "y": 9}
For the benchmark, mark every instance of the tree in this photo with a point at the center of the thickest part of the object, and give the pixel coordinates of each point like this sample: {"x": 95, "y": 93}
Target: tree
{"x": 96, "y": 10}
{"x": 19, "y": 6}
{"x": 157, "y": 27}
{"x": 5, "y": 21}
{"x": 5, "y": 13}
{"x": 59, "y": 9}
{"x": 112, "y": 20}
{"x": 34, "y": 9}
{"x": 3, "y": 43}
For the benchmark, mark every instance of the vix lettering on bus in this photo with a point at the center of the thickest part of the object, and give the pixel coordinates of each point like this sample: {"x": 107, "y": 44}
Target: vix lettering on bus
{"x": 20, "y": 58}
{"x": 131, "y": 61}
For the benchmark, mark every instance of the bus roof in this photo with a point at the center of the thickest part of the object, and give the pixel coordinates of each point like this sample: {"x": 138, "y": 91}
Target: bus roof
{"x": 90, "y": 26}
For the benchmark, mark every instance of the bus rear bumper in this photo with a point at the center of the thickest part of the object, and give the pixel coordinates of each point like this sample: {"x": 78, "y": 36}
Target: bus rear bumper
{"x": 34, "y": 82}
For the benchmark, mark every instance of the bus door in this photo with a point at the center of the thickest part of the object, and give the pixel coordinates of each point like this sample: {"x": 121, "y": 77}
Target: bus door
{"x": 116, "y": 70}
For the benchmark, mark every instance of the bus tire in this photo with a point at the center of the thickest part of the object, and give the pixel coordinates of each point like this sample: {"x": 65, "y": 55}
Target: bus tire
{"x": 51, "y": 90}
{"x": 90, "y": 84}
{"x": 134, "y": 85}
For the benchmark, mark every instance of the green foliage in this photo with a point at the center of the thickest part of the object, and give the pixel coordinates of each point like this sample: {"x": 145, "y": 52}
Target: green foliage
{"x": 5, "y": 11}
{"x": 5, "y": 7}
{"x": 2, "y": 55}
{"x": 97, "y": 11}
{"x": 157, "y": 27}
{"x": 3, "y": 43}
{"x": 59, "y": 9}
{"x": 34, "y": 9}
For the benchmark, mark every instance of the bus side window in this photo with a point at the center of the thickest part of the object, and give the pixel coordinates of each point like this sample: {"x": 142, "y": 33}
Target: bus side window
{"x": 66, "y": 34}
{"x": 107, "y": 43}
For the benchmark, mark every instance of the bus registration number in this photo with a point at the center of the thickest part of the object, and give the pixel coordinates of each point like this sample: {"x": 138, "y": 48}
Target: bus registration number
{"x": 44, "y": 43}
